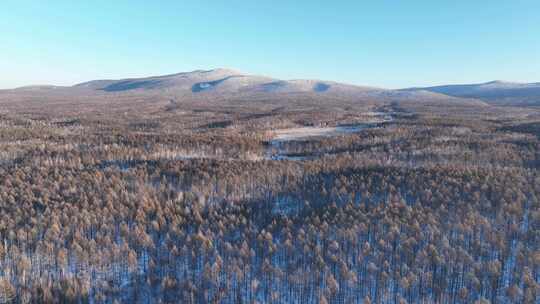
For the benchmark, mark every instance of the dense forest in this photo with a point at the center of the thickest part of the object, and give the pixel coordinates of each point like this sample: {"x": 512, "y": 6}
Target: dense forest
{"x": 151, "y": 203}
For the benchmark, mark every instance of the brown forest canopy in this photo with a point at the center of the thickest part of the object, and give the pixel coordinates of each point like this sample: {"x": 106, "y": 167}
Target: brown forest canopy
{"x": 145, "y": 199}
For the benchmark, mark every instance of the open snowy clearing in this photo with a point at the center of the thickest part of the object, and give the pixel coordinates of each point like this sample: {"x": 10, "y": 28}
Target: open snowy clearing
{"x": 277, "y": 151}
{"x": 305, "y": 133}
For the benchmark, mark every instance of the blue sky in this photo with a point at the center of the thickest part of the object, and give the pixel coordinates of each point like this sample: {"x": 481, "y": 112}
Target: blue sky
{"x": 386, "y": 43}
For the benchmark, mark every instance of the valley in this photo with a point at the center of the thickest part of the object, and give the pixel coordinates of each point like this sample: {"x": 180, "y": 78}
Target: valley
{"x": 133, "y": 192}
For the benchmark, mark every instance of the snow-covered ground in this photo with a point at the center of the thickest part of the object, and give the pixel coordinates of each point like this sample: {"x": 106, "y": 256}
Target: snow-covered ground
{"x": 305, "y": 133}
{"x": 277, "y": 152}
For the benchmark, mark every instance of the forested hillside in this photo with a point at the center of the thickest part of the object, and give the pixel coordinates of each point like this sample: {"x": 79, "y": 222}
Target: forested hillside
{"x": 149, "y": 202}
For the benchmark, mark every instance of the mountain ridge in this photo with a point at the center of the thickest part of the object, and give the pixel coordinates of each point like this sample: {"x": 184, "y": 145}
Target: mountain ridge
{"x": 231, "y": 84}
{"x": 495, "y": 92}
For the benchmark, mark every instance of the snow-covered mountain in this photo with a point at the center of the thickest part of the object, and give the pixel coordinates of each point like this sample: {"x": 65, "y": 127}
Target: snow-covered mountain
{"x": 228, "y": 84}
{"x": 495, "y": 92}
{"x": 224, "y": 83}
{"x": 219, "y": 81}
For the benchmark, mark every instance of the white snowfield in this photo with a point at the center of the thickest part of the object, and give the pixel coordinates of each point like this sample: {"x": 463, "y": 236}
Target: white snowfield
{"x": 277, "y": 151}
{"x": 305, "y": 133}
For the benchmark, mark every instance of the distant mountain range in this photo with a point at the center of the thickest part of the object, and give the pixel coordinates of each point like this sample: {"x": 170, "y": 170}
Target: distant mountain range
{"x": 494, "y": 92}
{"x": 231, "y": 84}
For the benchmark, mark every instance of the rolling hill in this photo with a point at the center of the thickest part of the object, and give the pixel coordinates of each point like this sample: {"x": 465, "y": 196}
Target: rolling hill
{"x": 494, "y": 92}
{"x": 230, "y": 85}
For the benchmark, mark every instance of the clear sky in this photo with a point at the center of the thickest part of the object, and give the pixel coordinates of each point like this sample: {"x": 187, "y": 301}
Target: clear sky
{"x": 386, "y": 43}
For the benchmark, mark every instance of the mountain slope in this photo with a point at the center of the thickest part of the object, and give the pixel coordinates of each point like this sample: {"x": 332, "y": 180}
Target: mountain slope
{"x": 220, "y": 81}
{"x": 226, "y": 85}
{"x": 187, "y": 80}
{"x": 494, "y": 92}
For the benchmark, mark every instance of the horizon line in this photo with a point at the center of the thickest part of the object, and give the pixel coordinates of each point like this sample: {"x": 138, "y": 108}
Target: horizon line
{"x": 241, "y": 73}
